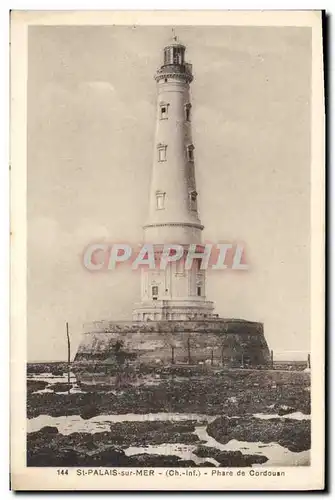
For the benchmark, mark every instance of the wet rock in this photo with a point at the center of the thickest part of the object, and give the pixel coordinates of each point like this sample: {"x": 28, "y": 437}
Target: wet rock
{"x": 201, "y": 394}
{"x": 152, "y": 432}
{"x": 54, "y": 456}
{"x": 60, "y": 387}
{"x": 80, "y": 441}
{"x": 285, "y": 410}
{"x": 35, "y": 385}
{"x": 229, "y": 458}
{"x": 149, "y": 432}
{"x": 292, "y": 434}
{"x": 48, "y": 448}
{"x": 42, "y": 439}
{"x": 43, "y": 449}
{"x": 103, "y": 448}
{"x": 58, "y": 372}
{"x": 44, "y": 433}
{"x": 43, "y": 457}
{"x": 56, "y": 368}
{"x": 108, "y": 457}
{"x": 89, "y": 412}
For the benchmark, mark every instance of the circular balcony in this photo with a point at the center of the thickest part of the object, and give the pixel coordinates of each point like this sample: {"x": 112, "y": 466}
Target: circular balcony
{"x": 181, "y": 71}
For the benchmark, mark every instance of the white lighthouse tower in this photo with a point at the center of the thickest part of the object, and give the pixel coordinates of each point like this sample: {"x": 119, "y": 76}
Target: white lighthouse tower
{"x": 173, "y": 293}
{"x": 173, "y": 323}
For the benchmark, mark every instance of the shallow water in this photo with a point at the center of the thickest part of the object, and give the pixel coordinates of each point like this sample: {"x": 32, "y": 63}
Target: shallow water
{"x": 276, "y": 454}
{"x": 293, "y": 416}
{"x": 52, "y": 379}
{"x": 74, "y": 423}
{"x": 180, "y": 450}
{"x": 55, "y": 379}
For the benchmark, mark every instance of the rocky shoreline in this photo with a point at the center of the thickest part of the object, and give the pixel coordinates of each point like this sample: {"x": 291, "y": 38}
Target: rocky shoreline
{"x": 291, "y": 434}
{"x": 47, "y": 447}
{"x": 232, "y": 399}
{"x": 230, "y": 458}
{"x": 244, "y": 394}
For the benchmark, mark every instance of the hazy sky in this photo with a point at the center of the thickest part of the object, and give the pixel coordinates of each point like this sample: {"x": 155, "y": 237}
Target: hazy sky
{"x": 91, "y": 120}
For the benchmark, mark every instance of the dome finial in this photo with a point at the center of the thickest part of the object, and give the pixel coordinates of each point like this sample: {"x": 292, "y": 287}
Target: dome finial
{"x": 174, "y": 36}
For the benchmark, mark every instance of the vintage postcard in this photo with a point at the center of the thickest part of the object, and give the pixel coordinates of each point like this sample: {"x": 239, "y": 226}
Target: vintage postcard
{"x": 167, "y": 242}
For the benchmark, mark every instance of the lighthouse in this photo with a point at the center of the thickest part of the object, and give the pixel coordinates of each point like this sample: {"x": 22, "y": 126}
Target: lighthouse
{"x": 173, "y": 293}
{"x": 173, "y": 323}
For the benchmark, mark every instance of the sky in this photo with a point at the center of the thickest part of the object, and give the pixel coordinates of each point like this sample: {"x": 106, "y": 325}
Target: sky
{"x": 91, "y": 121}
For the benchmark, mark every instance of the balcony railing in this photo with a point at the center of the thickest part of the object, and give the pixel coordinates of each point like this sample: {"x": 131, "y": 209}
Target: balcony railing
{"x": 176, "y": 68}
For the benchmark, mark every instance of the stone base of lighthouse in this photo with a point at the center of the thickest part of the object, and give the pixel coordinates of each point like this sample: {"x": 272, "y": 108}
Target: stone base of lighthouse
{"x": 129, "y": 346}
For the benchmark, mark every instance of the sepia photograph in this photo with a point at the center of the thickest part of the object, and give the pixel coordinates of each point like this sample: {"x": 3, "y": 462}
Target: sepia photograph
{"x": 169, "y": 250}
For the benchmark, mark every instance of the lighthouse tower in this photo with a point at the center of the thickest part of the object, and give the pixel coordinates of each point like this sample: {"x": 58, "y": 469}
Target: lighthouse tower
{"x": 174, "y": 293}
{"x": 173, "y": 323}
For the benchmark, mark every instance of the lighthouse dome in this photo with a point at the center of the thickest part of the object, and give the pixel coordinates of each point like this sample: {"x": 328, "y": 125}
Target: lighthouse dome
{"x": 174, "y": 63}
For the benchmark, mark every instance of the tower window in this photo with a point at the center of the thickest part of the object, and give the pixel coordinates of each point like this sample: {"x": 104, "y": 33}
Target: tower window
{"x": 168, "y": 55}
{"x": 199, "y": 291}
{"x": 178, "y": 55}
{"x": 193, "y": 200}
{"x": 154, "y": 291}
{"x": 188, "y": 112}
{"x": 160, "y": 200}
{"x": 164, "y": 108}
{"x": 190, "y": 152}
{"x": 161, "y": 148}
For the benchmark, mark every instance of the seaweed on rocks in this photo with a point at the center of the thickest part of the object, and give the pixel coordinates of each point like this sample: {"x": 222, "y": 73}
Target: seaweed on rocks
{"x": 60, "y": 387}
{"x": 295, "y": 435}
{"x": 207, "y": 395}
{"x": 229, "y": 458}
{"x": 47, "y": 447}
{"x": 36, "y": 385}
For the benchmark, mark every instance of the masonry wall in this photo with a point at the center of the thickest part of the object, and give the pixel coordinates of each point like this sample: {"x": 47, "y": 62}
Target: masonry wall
{"x": 217, "y": 342}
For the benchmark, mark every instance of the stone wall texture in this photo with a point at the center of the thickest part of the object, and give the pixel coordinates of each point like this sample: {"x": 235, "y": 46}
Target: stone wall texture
{"x": 222, "y": 342}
